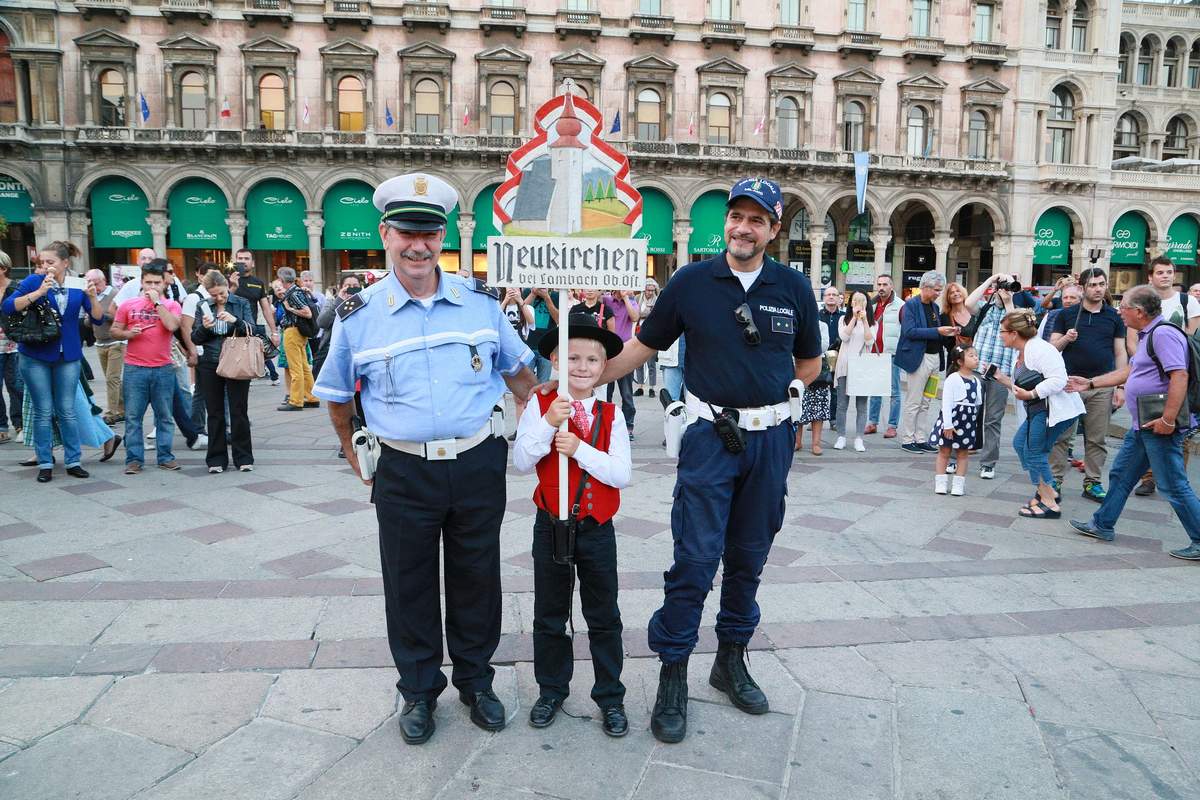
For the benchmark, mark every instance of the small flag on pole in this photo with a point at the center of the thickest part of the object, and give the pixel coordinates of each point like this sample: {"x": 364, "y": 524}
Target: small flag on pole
{"x": 225, "y": 110}
{"x": 761, "y": 126}
{"x": 616, "y": 126}
{"x": 145, "y": 107}
{"x": 692, "y": 125}
{"x": 466, "y": 115}
{"x": 307, "y": 112}
{"x": 387, "y": 115}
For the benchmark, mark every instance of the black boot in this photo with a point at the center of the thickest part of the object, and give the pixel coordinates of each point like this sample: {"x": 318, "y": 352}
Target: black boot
{"x": 729, "y": 675}
{"x": 668, "y": 723}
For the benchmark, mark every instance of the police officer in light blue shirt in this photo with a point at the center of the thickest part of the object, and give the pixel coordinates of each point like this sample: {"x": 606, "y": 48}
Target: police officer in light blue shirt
{"x": 751, "y": 326}
{"x": 431, "y": 354}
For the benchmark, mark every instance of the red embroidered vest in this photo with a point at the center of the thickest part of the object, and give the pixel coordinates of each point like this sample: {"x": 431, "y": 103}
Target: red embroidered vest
{"x": 599, "y": 500}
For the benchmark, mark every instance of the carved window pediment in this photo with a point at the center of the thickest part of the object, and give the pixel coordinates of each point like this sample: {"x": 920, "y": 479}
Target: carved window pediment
{"x": 791, "y": 77}
{"x": 722, "y": 66}
{"x": 985, "y": 92}
{"x": 269, "y": 50}
{"x": 103, "y": 38}
{"x": 651, "y": 67}
{"x": 578, "y": 58}
{"x": 187, "y": 48}
{"x": 426, "y": 51}
{"x": 502, "y": 55}
{"x": 348, "y": 54}
{"x": 860, "y": 82}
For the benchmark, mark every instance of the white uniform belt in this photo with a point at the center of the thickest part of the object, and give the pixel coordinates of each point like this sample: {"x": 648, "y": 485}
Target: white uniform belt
{"x": 750, "y": 419}
{"x": 440, "y": 449}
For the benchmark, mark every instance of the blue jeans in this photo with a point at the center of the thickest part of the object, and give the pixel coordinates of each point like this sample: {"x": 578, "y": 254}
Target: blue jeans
{"x": 142, "y": 387}
{"x": 1144, "y": 450}
{"x": 876, "y": 403}
{"x": 181, "y": 410}
{"x": 673, "y": 382}
{"x": 51, "y": 387}
{"x": 10, "y": 376}
{"x": 270, "y": 365}
{"x": 1033, "y": 443}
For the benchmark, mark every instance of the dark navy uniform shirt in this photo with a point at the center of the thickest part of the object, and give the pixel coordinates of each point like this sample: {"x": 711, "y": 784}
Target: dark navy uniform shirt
{"x": 720, "y": 367}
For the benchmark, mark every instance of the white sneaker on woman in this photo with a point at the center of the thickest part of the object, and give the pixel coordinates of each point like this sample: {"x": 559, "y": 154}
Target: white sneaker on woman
{"x": 958, "y": 485}
{"x": 840, "y": 444}
{"x": 941, "y": 484}
{"x": 859, "y": 446}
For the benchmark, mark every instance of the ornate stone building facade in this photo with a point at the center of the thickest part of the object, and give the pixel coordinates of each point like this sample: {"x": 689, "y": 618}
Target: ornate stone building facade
{"x": 201, "y": 126}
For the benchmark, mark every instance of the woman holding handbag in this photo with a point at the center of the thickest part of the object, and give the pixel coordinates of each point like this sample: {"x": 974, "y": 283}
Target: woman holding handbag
{"x": 42, "y": 316}
{"x": 226, "y": 320}
{"x": 857, "y": 331}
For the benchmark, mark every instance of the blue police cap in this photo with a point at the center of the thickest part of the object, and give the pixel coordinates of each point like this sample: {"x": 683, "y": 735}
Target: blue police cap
{"x": 762, "y": 191}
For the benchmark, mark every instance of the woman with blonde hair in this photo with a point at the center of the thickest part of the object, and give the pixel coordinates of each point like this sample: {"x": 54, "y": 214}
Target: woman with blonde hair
{"x": 857, "y": 332}
{"x": 954, "y": 308}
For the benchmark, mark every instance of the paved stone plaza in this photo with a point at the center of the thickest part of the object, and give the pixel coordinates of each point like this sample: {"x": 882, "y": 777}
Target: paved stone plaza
{"x": 181, "y": 635}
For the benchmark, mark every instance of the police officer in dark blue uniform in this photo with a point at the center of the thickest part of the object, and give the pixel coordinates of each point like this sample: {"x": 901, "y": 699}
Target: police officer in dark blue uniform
{"x": 751, "y": 327}
{"x": 432, "y": 353}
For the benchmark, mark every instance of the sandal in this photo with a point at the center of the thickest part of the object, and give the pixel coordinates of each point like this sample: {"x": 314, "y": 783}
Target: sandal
{"x": 4, "y": 437}
{"x": 1047, "y": 512}
{"x": 817, "y": 450}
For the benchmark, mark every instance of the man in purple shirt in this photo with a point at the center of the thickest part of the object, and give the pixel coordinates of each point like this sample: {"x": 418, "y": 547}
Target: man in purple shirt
{"x": 1151, "y": 443}
{"x": 624, "y": 308}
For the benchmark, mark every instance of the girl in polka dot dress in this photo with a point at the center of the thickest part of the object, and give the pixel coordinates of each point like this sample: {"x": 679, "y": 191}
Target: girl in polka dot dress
{"x": 959, "y": 426}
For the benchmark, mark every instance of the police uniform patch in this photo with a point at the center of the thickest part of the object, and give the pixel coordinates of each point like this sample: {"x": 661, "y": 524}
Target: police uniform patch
{"x": 782, "y": 325}
{"x": 482, "y": 287}
{"x": 351, "y": 304}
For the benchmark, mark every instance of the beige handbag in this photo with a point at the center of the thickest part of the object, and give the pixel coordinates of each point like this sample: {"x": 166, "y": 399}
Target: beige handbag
{"x": 241, "y": 357}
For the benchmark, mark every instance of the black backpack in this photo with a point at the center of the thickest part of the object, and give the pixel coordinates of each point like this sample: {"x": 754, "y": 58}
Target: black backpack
{"x": 307, "y": 325}
{"x": 1193, "y": 368}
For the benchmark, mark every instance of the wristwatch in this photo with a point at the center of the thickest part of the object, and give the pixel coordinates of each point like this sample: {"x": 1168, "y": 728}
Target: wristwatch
{"x": 1091, "y": 384}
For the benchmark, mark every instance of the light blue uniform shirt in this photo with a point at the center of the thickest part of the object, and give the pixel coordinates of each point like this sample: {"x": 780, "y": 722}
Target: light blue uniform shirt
{"x": 418, "y": 383}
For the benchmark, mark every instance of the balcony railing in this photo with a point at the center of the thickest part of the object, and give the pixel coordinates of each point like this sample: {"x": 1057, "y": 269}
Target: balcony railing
{"x": 502, "y": 18}
{"x": 859, "y": 42}
{"x": 201, "y": 9}
{"x": 929, "y": 47}
{"x": 649, "y": 26}
{"x": 418, "y": 14}
{"x": 349, "y": 11}
{"x": 586, "y": 22}
{"x": 987, "y": 53}
{"x": 1159, "y": 13}
{"x": 1067, "y": 173}
{"x": 723, "y": 31}
{"x": 798, "y": 36}
{"x": 255, "y": 10}
{"x": 268, "y": 136}
{"x": 118, "y": 7}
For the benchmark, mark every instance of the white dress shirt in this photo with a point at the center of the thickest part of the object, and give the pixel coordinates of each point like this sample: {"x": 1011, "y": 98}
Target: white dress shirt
{"x": 535, "y": 439}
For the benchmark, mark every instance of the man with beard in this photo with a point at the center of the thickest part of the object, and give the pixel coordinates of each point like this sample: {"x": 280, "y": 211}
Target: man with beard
{"x": 432, "y": 353}
{"x": 751, "y": 327}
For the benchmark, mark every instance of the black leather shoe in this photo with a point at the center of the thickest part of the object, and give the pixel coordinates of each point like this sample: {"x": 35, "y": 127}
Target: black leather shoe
{"x": 45, "y": 475}
{"x": 616, "y": 724}
{"x": 544, "y": 711}
{"x": 416, "y": 721}
{"x": 668, "y": 723}
{"x": 78, "y": 472}
{"x": 486, "y": 709}
{"x": 729, "y": 675}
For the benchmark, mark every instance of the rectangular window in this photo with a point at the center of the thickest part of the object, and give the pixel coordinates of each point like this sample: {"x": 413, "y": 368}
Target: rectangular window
{"x": 920, "y": 21}
{"x": 48, "y": 92}
{"x": 856, "y": 16}
{"x": 789, "y": 12}
{"x": 1053, "y": 26}
{"x": 1058, "y": 149}
{"x": 1143, "y": 73}
{"x": 652, "y": 7}
{"x": 983, "y": 22}
{"x": 977, "y": 143}
{"x": 1167, "y": 77}
{"x": 1194, "y": 76}
{"x": 1079, "y": 38}
{"x": 579, "y": 5}
{"x": 1123, "y": 70}
{"x": 720, "y": 9}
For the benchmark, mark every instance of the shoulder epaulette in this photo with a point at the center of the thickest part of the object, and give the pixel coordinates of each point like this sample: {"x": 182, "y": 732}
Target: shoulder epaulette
{"x": 351, "y": 304}
{"x": 476, "y": 285}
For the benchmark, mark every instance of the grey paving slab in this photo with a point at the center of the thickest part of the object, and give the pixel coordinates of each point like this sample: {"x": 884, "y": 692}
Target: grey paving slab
{"x": 966, "y": 745}
{"x": 713, "y": 728}
{"x": 348, "y": 702}
{"x": 85, "y": 762}
{"x": 215, "y": 620}
{"x": 982, "y": 594}
{"x": 1144, "y": 650}
{"x": 55, "y": 623}
{"x": 224, "y": 656}
{"x": 949, "y": 665}
{"x": 188, "y": 712}
{"x": 266, "y": 760}
{"x": 1182, "y": 733}
{"x": 1101, "y": 765}
{"x": 1168, "y": 694}
{"x": 844, "y": 749}
{"x": 668, "y": 782}
{"x": 33, "y": 707}
{"x": 40, "y": 660}
{"x": 48, "y": 568}
{"x": 837, "y": 670}
{"x": 168, "y": 557}
{"x": 117, "y": 659}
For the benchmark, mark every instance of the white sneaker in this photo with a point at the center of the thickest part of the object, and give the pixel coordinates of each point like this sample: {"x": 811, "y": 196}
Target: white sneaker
{"x": 940, "y": 484}
{"x": 215, "y": 470}
{"x": 275, "y": 382}
{"x": 958, "y": 485}
{"x": 951, "y": 468}
{"x": 201, "y": 443}
{"x": 246, "y": 468}
{"x": 840, "y": 444}
{"x": 152, "y": 434}
{"x": 859, "y": 446}
{"x": 987, "y": 473}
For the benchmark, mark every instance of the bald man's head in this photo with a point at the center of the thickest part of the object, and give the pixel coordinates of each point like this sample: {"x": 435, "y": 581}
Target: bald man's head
{"x": 97, "y": 279}
{"x": 146, "y": 255}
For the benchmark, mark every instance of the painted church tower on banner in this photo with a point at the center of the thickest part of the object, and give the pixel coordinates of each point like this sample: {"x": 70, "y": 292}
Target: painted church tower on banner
{"x": 566, "y": 170}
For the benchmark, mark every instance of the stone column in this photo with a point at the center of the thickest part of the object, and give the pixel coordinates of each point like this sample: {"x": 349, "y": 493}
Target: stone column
{"x": 816, "y": 240}
{"x": 159, "y": 222}
{"x": 466, "y": 230}
{"x": 682, "y": 233}
{"x": 314, "y": 224}
{"x": 76, "y": 225}
{"x": 237, "y": 230}
{"x": 879, "y": 241}
{"x": 941, "y": 249}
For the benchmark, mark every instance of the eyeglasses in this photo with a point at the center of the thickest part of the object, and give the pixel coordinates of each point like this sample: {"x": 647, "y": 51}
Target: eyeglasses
{"x": 746, "y": 319}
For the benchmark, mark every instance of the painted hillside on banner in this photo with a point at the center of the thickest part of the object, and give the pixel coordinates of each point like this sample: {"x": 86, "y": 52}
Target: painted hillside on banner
{"x": 567, "y": 181}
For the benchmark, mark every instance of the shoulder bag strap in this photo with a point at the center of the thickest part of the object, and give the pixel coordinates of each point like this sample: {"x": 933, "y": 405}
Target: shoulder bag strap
{"x": 583, "y": 476}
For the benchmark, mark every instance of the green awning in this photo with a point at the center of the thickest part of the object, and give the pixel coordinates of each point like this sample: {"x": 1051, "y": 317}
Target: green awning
{"x": 198, "y": 209}
{"x": 1182, "y": 237}
{"x": 351, "y": 219}
{"x": 1052, "y": 238}
{"x": 119, "y": 211}
{"x": 1129, "y": 239}
{"x": 708, "y": 224}
{"x": 15, "y": 205}
{"x": 275, "y": 213}
{"x": 484, "y": 225}
{"x": 453, "y": 241}
{"x": 658, "y": 223}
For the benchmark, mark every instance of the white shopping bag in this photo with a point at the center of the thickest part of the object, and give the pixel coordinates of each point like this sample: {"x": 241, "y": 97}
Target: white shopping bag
{"x": 869, "y": 375}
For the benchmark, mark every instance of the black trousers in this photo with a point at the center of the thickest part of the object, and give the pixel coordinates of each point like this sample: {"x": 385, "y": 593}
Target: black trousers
{"x": 461, "y": 503}
{"x": 216, "y": 389}
{"x": 596, "y": 566}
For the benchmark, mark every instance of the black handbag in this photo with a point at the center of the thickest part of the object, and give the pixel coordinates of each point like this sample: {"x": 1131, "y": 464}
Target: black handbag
{"x": 37, "y": 324}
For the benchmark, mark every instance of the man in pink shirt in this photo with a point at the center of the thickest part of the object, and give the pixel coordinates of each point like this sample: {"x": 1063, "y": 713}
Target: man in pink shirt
{"x": 147, "y": 324}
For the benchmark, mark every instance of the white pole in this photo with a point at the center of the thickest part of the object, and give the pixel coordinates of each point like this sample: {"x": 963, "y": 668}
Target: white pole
{"x": 564, "y": 308}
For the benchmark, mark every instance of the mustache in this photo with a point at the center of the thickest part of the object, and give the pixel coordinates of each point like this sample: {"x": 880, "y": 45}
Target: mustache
{"x": 416, "y": 255}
